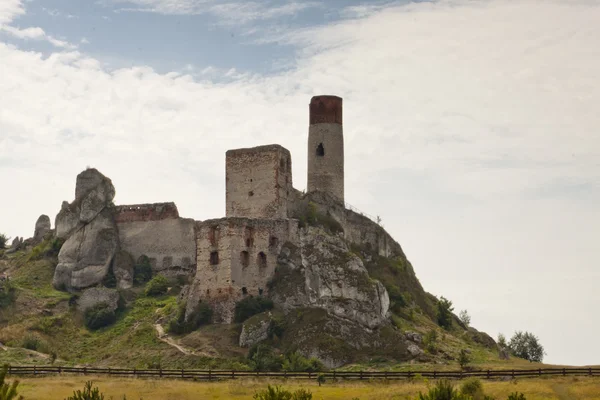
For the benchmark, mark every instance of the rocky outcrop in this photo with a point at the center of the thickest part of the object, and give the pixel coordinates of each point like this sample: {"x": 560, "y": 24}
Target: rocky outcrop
{"x": 92, "y": 237}
{"x": 16, "y": 245}
{"x": 42, "y": 228}
{"x": 322, "y": 272}
{"x": 92, "y": 296}
{"x": 481, "y": 338}
{"x": 123, "y": 269}
{"x": 255, "y": 329}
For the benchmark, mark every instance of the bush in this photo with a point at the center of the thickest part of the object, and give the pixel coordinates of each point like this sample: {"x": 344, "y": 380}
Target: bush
{"x": 3, "y": 240}
{"x": 443, "y": 390}
{"x": 250, "y": 306}
{"x": 464, "y": 317}
{"x": 157, "y": 286}
{"x": 8, "y": 391}
{"x": 47, "y": 248}
{"x": 309, "y": 215}
{"x": 278, "y": 393}
{"x": 502, "y": 341}
{"x": 262, "y": 358}
{"x": 526, "y": 345}
{"x": 87, "y": 394}
{"x": 7, "y": 293}
{"x": 99, "y": 315}
{"x": 276, "y": 328}
{"x": 444, "y": 313}
{"x": 295, "y": 362}
{"x": 397, "y": 300}
{"x": 201, "y": 315}
{"x": 472, "y": 387}
{"x": 464, "y": 358}
{"x": 516, "y": 396}
{"x": 142, "y": 270}
{"x": 31, "y": 342}
{"x": 430, "y": 341}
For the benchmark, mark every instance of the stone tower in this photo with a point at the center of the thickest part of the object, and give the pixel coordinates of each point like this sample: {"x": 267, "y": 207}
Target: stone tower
{"x": 326, "y": 146}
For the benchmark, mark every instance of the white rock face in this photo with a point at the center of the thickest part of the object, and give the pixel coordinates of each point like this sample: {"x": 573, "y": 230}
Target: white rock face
{"x": 255, "y": 329}
{"x": 42, "y": 227}
{"x": 92, "y": 296}
{"x": 327, "y": 275}
{"x": 91, "y": 232}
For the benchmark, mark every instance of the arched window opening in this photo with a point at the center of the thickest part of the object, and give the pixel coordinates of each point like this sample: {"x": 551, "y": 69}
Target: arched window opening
{"x": 262, "y": 259}
{"x": 260, "y": 291}
{"x": 273, "y": 242}
{"x": 245, "y": 258}
{"x": 214, "y": 258}
{"x": 320, "y": 150}
{"x": 244, "y": 291}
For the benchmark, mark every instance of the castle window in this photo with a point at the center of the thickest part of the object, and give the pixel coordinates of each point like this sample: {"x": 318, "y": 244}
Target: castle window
{"x": 251, "y": 193}
{"x": 244, "y": 258}
{"x": 273, "y": 242}
{"x": 214, "y": 258}
{"x": 260, "y": 291}
{"x": 262, "y": 259}
{"x": 249, "y": 242}
{"x": 320, "y": 150}
{"x": 244, "y": 291}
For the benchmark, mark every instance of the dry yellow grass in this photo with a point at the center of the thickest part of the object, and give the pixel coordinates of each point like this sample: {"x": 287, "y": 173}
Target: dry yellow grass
{"x": 58, "y": 388}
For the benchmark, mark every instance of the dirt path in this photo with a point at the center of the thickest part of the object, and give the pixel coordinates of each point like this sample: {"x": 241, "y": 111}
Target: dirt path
{"x": 162, "y": 335}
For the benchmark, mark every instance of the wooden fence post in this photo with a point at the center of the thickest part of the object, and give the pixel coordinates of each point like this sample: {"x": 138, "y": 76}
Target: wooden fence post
{"x": 34, "y": 370}
{"x": 134, "y": 372}
{"x": 10, "y": 369}
{"x": 209, "y": 374}
{"x": 540, "y": 372}
{"x": 309, "y": 375}
{"x": 488, "y": 374}
{"x": 590, "y": 371}
{"x": 59, "y": 369}
{"x": 232, "y": 374}
{"x": 434, "y": 373}
{"x": 564, "y": 372}
{"x": 513, "y": 374}
{"x": 334, "y": 373}
{"x": 160, "y": 371}
{"x": 181, "y": 373}
{"x": 84, "y": 370}
{"x": 361, "y": 375}
{"x": 108, "y": 371}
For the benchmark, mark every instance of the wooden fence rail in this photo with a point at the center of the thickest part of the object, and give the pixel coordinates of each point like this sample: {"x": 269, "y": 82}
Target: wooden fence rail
{"x": 199, "y": 374}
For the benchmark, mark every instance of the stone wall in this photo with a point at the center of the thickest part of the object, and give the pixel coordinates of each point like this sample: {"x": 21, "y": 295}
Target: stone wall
{"x": 170, "y": 243}
{"x": 258, "y": 182}
{"x": 146, "y": 212}
{"x": 236, "y": 257}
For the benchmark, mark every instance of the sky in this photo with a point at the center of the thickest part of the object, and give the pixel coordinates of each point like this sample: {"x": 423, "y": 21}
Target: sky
{"x": 471, "y": 128}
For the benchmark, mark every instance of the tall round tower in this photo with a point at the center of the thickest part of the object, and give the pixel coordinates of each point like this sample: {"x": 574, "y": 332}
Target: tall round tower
{"x": 326, "y": 146}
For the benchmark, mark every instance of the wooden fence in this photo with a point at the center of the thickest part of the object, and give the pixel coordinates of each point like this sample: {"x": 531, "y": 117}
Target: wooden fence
{"x": 210, "y": 375}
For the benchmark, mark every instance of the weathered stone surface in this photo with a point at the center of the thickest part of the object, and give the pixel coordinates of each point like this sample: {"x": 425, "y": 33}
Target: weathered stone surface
{"x": 92, "y": 296}
{"x": 481, "y": 338}
{"x": 414, "y": 337}
{"x": 123, "y": 269}
{"x": 90, "y": 179}
{"x": 42, "y": 227}
{"x": 95, "y": 200}
{"x": 414, "y": 350}
{"x": 323, "y": 273}
{"x": 66, "y": 220}
{"x": 85, "y": 257}
{"x": 16, "y": 244}
{"x": 255, "y": 329}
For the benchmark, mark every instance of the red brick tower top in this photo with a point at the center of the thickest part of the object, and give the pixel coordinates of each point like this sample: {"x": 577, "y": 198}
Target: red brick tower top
{"x": 325, "y": 109}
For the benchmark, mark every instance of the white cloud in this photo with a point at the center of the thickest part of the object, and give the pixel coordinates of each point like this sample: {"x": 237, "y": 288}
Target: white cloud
{"x": 10, "y": 9}
{"x": 478, "y": 147}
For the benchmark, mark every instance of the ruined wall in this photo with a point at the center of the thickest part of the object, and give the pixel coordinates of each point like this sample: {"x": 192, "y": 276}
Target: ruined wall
{"x": 146, "y": 212}
{"x": 326, "y": 146}
{"x": 236, "y": 257}
{"x": 258, "y": 182}
{"x": 155, "y": 230}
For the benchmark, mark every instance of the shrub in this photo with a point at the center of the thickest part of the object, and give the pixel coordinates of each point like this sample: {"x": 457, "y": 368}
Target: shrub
{"x": 430, "y": 341}
{"x": 464, "y": 358}
{"x": 444, "y": 313}
{"x": 142, "y": 270}
{"x": 99, "y": 315}
{"x": 262, "y": 358}
{"x": 472, "y": 387}
{"x": 3, "y": 240}
{"x": 31, "y": 342}
{"x": 157, "y": 286}
{"x": 464, "y": 317}
{"x": 516, "y": 396}
{"x": 47, "y": 248}
{"x": 396, "y": 298}
{"x": 309, "y": 215}
{"x": 201, "y": 315}
{"x": 8, "y": 391}
{"x": 502, "y": 340}
{"x": 250, "y": 306}
{"x": 443, "y": 390}
{"x": 278, "y": 393}
{"x": 276, "y": 328}
{"x": 526, "y": 345}
{"x": 295, "y": 362}
{"x": 7, "y": 293}
{"x": 87, "y": 394}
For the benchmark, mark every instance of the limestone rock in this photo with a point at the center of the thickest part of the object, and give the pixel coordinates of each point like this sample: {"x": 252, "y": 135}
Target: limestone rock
{"x": 66, "y": 220}
{"x": 16, "y": 244}
{"x": 42, "y": 227}
{"x": 414, "y": 337}
{"x": 323, "y": 273}
{"x": 481, "y": 338}
{"x": 90, "y": 179}
{"x": 255, "y": 329}
{"x": 414, "y": 350}
{"x": 86, "y": 256}
{"x": 123, "y": 269}
{"x": 95, "y": 200}
{"x": 92, "y": 296}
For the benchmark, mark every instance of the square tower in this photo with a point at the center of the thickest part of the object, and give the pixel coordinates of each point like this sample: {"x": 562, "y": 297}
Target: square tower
{"x": 258, "y": 182}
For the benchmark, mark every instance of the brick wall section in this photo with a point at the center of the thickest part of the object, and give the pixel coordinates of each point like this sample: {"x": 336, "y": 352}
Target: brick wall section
{"x": 247, "y": 252}
{"x": 146, "y": 212}
{"x": 258, "y": 182}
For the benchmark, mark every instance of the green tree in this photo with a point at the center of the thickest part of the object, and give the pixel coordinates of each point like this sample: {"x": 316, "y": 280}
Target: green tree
{"x": 444, "y": 312}
{"x": 502, "y": 341}
{"x": 526, "y": 345}
{"x": 157, "y": 286}
{"x": 465, "y": 318}
{"x": 3, "y": 241}
{"x": 99, "y": 315}
{"x": 87, "y": 394}
{"x": 464, "y": 358}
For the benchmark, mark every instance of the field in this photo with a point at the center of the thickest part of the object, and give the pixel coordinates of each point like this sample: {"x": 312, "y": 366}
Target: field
{"x": 58, "y": 388}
